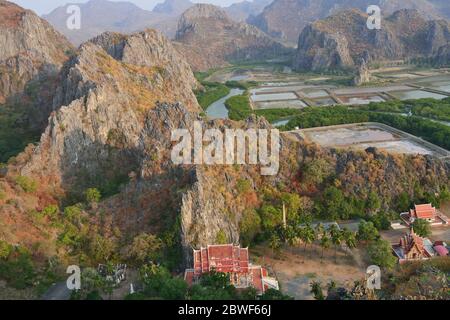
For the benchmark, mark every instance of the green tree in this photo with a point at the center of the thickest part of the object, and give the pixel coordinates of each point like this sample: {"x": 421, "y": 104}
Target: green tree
{"x": 308, "y": 236}
{"x": 381, "y": 221}
{"x": 272, "y": 294}
{"x": 27, "y": 184}
{"x": 336, "y": 238}
{"x": 316, "y": 171}
{"x": 289, "y": 235}
{"x": 159, "y": 283}
{"x": 349, "y": 238}
{"x": 325, "y": 243}
{"x": 274, "y": 243}
{"x": 316, "y": 290}
{"x": 249, "y": 225}
{"x": 5, "y": 249}
{"x": 293, "y": 205}
{"x": 51, "y": 211}
{"x": 373, "y": 202}
{"x": 92, "y": 195}
{"x": 403, "y": 202}
{"x": 444, "y": 196}
{"x": 144, "y": 248}
{"x": 333, "y": 202}
{"x": 380, "y": 253}
{"x": 422, "y": 227}
{"x": 221, "y": 237}
{"x": 367, "y": 231}
{"x": 271, "y": 217}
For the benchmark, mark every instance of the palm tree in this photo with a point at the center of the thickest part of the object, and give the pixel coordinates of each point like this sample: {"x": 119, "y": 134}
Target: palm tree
{"x": 349, "y": 238}
{"x": 300, "y": 231}
{"x": 275, "y": 243}
{"x": 290, "y": 236}
{"x": 325, "y": 243}
{"x": 310, "y": 235}
{"x": 319, "y": 230}
{"x": 336, "y": 238}
{"x": 337, "y": 241}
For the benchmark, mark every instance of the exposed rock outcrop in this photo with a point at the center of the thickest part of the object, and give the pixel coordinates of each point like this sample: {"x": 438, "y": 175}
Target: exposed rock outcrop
{"x": 208, "y": 38}
{"x": 362, "y": 71}
{"x": 104, "y": 99}
{"x": 150, "y": 48}
{"x": 340, "y": 40}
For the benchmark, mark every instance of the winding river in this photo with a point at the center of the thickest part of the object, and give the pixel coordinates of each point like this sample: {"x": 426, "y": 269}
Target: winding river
{"x": 218, "y": 110}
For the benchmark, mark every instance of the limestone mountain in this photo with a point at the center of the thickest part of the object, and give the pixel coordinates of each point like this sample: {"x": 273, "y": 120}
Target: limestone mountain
{"x": 30, "y": 50}
{"x": 287, "y": 18}
{"x": 31, "y": 56}
{"x": 241, "y": 11}
{"x": 208, "y": 38}
{"x": 173, "y": 7}
{"x": 124, "y": 17}
{"x": 341, "y": 39}
{"x": 106, "y": 122}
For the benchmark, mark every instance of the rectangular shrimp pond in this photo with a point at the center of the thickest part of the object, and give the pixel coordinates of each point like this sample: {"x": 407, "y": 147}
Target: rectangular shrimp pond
{"x": 363, "y": 136}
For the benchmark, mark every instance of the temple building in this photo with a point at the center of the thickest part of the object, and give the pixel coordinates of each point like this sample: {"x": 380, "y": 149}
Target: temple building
{"x": 413, "y": 247}
{"x": 232, "y": 260}
{"x": 425, "y": 212}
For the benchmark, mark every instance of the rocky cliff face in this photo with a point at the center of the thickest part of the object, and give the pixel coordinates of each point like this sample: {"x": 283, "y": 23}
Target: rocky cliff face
{"x": 31, "y": 52}
{"x": 113, "y": 117}
{"x": 342, "y": 39}
{"x": 287, "y": 18}
{"x": 150, "y": 48}
{"x": 103, "y": 102}
{"x": 208, "y": 38}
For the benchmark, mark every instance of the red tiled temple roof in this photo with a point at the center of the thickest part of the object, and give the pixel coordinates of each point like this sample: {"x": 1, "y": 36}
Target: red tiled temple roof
{"x": 221, "y": 258}
{"x": 227, "y": 259}
{"x": 423, "y": 211}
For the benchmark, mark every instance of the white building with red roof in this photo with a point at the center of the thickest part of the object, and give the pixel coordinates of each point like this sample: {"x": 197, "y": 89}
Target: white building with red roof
{"x": 425, "y": 212}
{"x": 232, "y": 260}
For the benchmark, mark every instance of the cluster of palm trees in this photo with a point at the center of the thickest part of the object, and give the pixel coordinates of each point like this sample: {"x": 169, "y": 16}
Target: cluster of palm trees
{"x": 307, "y": 234}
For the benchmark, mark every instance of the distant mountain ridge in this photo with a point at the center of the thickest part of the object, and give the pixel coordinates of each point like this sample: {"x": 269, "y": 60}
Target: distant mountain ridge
{"x": 172, "y": 7}
{"x": 126, "y": 17}
{"x": 285, "y": 19}
{"x": 241, "y": 11}
{"x": 123, "y": 17}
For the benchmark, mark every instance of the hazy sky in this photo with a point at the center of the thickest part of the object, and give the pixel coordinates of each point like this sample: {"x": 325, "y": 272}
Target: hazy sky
{"x": 45, "y": 6}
